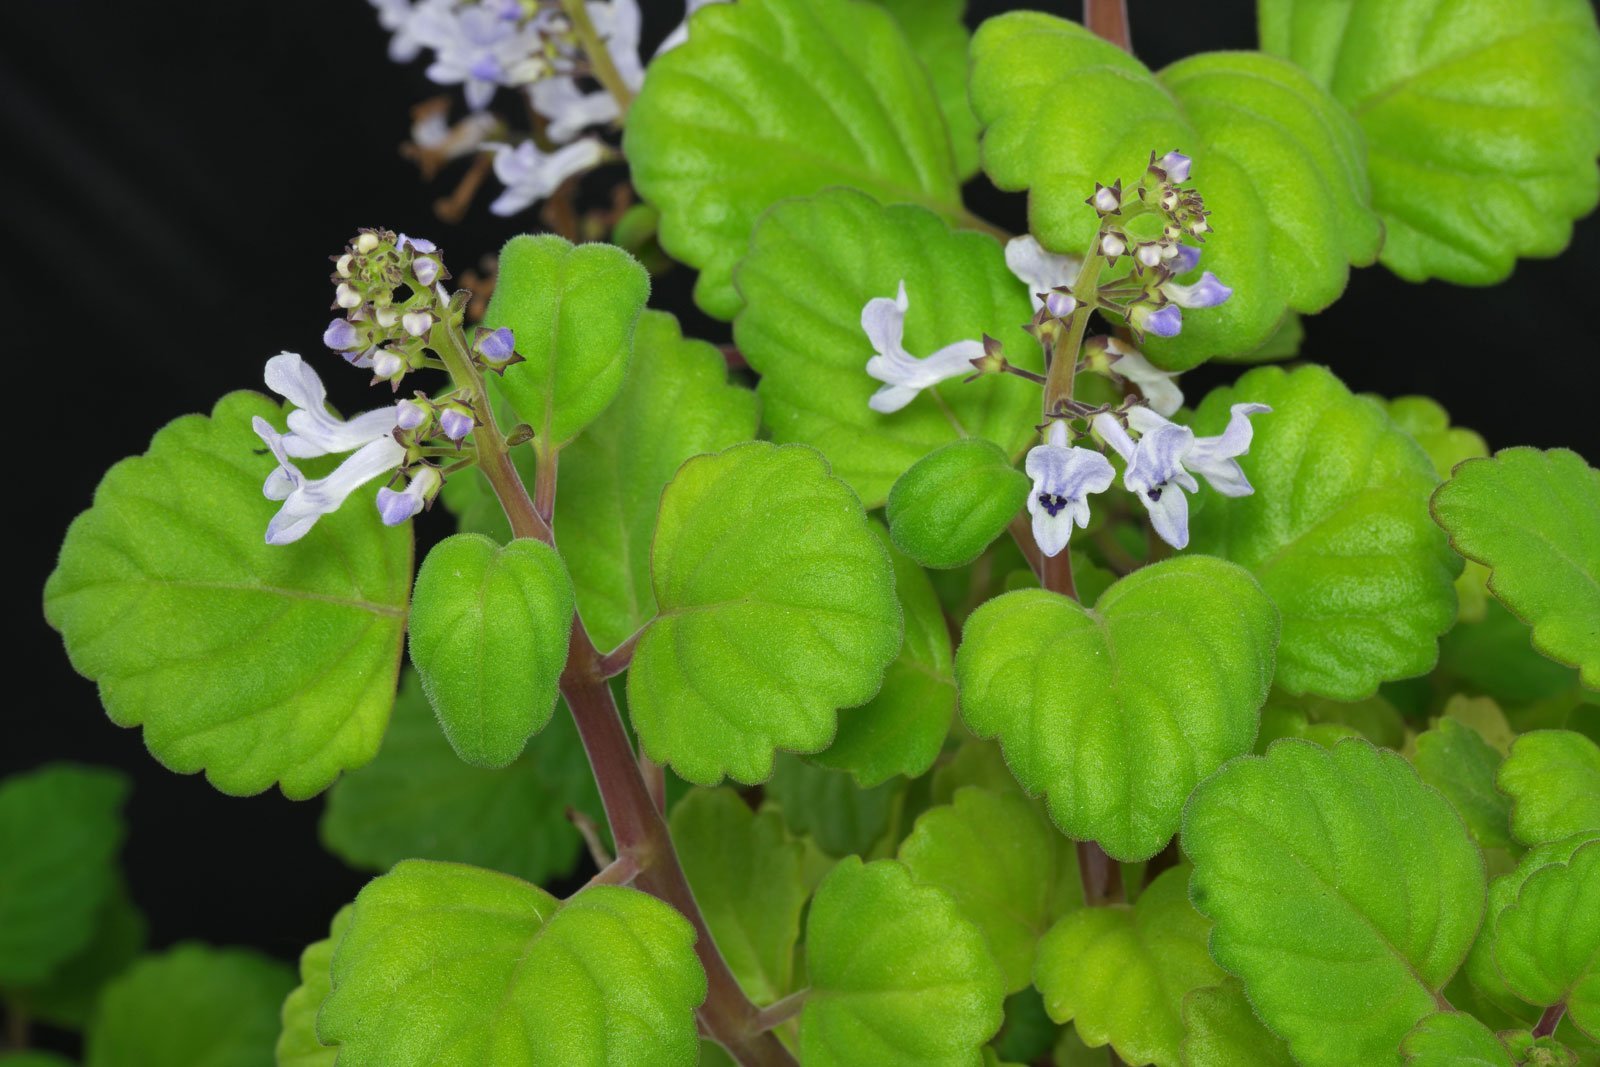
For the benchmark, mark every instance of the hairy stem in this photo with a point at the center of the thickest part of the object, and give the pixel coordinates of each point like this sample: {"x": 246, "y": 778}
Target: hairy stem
{"x": 544, "y": 484}
{"x": 1549, "y": 1020}
{"x": 600, "y": 63}
{"x": 779, "y": 1012}
{"x": 1109, "y": 19}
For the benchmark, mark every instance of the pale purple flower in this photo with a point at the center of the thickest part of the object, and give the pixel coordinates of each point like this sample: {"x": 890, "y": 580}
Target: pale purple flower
{"x": 1177, "y": 165}
{"x": 1205, "y": 293}
{"x": 1165, "y": 321}
{"x": 409, "y": 415}
{"x": 474, "y": 46}
{"x": 1039, "y": 270}
{"x": 568, "y": 109}
{"x": 395, "y": 508}
{"x": 1184, "y": 259}
{"x": 530, "y": 175}
{"x": 399, "y": 17}
{"x": 455, "y": 423}
{"x": 1159, "y": 387}
{"x": 342, "y": 336}
{"x": 313, "y": 429}
{"x": 417, "y": 323}
{"x": 905, "y": 375}
{"x": 1063, "y": 478}
{"x": 497, "y": 346}
{"x": 307, "y": 500}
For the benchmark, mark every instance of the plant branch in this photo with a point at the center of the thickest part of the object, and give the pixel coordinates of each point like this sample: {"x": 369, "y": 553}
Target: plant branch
{"x": 1549, "y": 1020}
{"x": 544, "y": 483}
{"x": 1022, "y": 533}
{"x": 617, "y": 872}
{"x": 655, "y": 780}
{"x": 1109, "y": 19}
{"x": 1101, "y": 875}
{"x": 590, "y": 832}
{"x": 599, "y": 56}
{"x": 779, "y": 1012}
{"x": 616, "y": 661}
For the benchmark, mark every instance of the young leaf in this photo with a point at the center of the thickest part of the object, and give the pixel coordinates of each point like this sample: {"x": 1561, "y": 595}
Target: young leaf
{"x": 948, "y": 507}
{"x": 1533, "y": 518}
{"x": 745, "y": 871}
{"x": 1337, "y": 531}
{"x": 1482, "y": 121}
{"x": 297, "y": 1041}
{"x": 1451, "y": 1039}
{"x": 829, "y": 807}
{"x": 902, "y": 729}
{"x": 573, "y": 310}
{"x": 418, "y": 800}
{"x": 676, "y": 403}
{"x": 60, "y": 830}
{"x": 255, "y": 663}
{"x": 939, "y": 36}
{"x": 1117, "y": 713}
{"x": 489, "y": 629}
{"x": 1459, "y": 763}
{"x": 773, "y": 99}
{"x": 1546, "y": 942}
{"x": 898, "y": 977}
{"x": 1221, "y": 1030}
{"x": 67, "y": 998}
{"x": 1279, "y": 162}
{"x": 1553, "y": 780}
{"x": 1345, "y": 893}
{"x": 813, "y": 266}
{"x": 192, "y": 1004}
{"x": 1495, "y": 656}
{"x": 1009, "y": 871}
{"x": 450, "y": 966}
{"x": 1119, "y": 974}
{"x": 777, "y": 608}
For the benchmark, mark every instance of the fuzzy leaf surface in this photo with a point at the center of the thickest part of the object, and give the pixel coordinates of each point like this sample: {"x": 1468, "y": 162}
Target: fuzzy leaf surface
{"x": 827, "y": 805}
{"x": 298, "y": 1045}
{"x": 1221, "y": 1030}
{"x": 938, "y": 34}
{"x": 1547, "y": 941}
{"x": 1553, "y": 780}
{"x": 1458, "y": 762}
{"x": 1451, "y": 1039}
{"x": 948, "y": 507}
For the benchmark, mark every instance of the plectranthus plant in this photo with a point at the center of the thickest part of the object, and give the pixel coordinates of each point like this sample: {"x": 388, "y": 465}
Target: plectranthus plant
{"x": 926, "y": 674}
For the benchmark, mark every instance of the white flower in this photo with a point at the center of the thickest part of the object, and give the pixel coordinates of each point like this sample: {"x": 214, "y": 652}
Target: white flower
{"x": 476, "y": 45}
{"x": 1063, "y": 478}
{"x": 315, "y": 431}
{"x": 530, "y": 175}
{"x": 1162, "y": 465}
{"x": 1159, "y": 387}
{"x": 905, "y": 375}
{"x": 568, "y": 108}
{"x": 1039, "y": 270}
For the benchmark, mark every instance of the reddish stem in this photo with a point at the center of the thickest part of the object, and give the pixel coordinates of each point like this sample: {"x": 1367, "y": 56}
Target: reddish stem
{"x": 1109, "y": 19}
{"x": 1549, "y": 1020}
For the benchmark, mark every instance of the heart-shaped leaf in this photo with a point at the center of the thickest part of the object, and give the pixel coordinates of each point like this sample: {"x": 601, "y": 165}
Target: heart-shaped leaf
{"x": 939, "y": 36}
{"x": 1221, "y": 1030}
{"x": 489, "y": 629}
{"x": 948, "y": 507}
{"x": 1279, "y": 162}
{"x": 745, "y": 872}
{"x": 676, "y": 403}
{"x": 773, "y": 99}
{"x": 813, "y": 266}
{"x": 572, "y": 309}
{"x": 191, "y": 1005}
{"x": 447, "y": 966}
{"x": 255, "y": 663}
{"x": 903, "y": 728}
{"x": 1458, "y": 762}
{"x": 1345, "y": 893}
{"x": 1119, "y": 974}
{"x": 60, "y": 830}
{"x": 1553, "y": 780}
{"x": 68, "y": 997}
{"x": 1117, "y": 713}
{"x": 1337, "y": 531}
{"x": 777, "y": 608}
{"x": 297, "y": 1043}
{"x": 1546, "y": 942}
{"x": 1533, "y": 518}
{"x": 898, "y": 977}
{"x": 1010, "y": 872}
{"x": 418, "y": 800}
{"x": 1451, "y": 1039}
{"x": 1482, "y": 121}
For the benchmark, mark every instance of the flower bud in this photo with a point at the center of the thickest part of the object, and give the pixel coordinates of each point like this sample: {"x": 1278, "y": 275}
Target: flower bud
{"x": 1176, "y": 165}
{"x": 341, "y": 336}
{"x": 386, "y": 317}
{"x": 1060, "y": 303}
{"x": 410, "y": 415}
{"x": 1166, "y": 321}
{"x": 1107, "y": 199}
{"x": 417, "y": 323}
{"x": 497, "y": 346}
{"x": 426, "y": 269}
{"x": 1149, "y": 254}
{"x": 366, "y": 244}
{"x": 342, "y": 265}
{"x": 1112, "y": 245}
{"x": 346, "y": 296}
{"x": 387, "y": 365}
{"x": 455, "y": 423}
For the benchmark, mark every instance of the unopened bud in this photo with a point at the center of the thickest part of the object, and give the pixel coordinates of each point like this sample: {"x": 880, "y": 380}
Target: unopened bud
{"x": 366, "y": 244}
{"x": 346, "y": 296}
{"x": 455, "y": 423}
{"x": 409, "y": 415}
{"x": 343, "y": 265}
{"x": 1112, "y": 245}
{"x": 417, "y": 323}
{"x": 341, "y": 336}
{"x": 1060, "y": 303}
{"x": 498, "y": 345}
{"x": 387, "y": 365}
{"x": 1176, "y": 165}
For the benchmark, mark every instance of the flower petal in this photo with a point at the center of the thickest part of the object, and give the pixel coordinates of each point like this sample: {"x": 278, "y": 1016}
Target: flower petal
{"x": 1040, "y": 270}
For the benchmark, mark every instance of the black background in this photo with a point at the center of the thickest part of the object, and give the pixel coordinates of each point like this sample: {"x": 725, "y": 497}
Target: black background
{"x": 175, "y": 175}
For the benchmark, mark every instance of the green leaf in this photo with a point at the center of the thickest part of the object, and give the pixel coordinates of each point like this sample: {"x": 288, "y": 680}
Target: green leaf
{"x": 1279, "y": 162}
{"x": 1028, "y": 1033}
{"x": 947, "y": 508}
{"x": 1533, "y": 518}
{"x": 417, "y": 800}
{"x": 1553, "y": 780}
{"x": 1284, "y": 343}
{"x": 676, "y": 403}
{"x": 1546, "y": 942}
{"x": 1484, "y": 717}
{"x": 1221, "y": 1030}
{"x": 1495, "y": 655}
{"x": 1117, "y": 713}
{"x": 1119, "y": 974}
{"x": 1009, "y": 871}
{"x": 1459, "y": 763}
{"x": 939, "y": 36}
{"x": 1337, "y": 531}
{"x": 297, "y": 1042}
{"x": 813, "y": 265}
{"x": 777, "y": 608}
{"x": 774, "y": 99}
{"x": 489, "y": 630}
{"x": 450, "y": 965}
{"x": 1451, "y": 1039}
{"x": 903, "y": 728}
{"x": 1345, "y": 893}
{"x": 573, "y": 310}
{"x": 898, "y": 977}
{"x": 1482, "y": 122}
{"x": 191, "y": 1005}
{"x": 60, "y": 831}
{"x": 1325, "y": 721}
{"x": 255, "y": 663}
{"x": 829, "y": 806}
{"x": 978, "y": 763}
{"x": 67, "y": 998}
{"x": 745, "y": 871}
